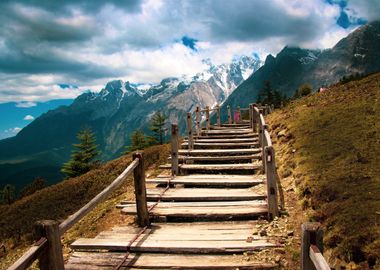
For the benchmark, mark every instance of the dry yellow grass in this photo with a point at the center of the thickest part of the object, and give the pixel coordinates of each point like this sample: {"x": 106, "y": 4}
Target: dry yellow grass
{"x": 57, "y": 202}
{"x": 328, "y": 144}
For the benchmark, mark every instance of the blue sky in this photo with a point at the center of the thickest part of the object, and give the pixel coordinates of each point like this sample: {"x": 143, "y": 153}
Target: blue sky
{"x": 15, "y": 116}
{"x": 54, "y": 49}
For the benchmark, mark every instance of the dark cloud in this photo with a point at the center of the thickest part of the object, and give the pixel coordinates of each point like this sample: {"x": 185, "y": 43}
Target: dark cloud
{"x": 59, "y": 6}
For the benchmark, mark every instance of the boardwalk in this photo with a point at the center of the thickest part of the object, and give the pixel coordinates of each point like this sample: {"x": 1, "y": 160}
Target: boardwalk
{"x": 202, "y": 218}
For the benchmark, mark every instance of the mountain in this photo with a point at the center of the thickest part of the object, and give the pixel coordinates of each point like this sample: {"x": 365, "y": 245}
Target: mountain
{"x": 359, "y": 53}
{"x": 113, "y": 114}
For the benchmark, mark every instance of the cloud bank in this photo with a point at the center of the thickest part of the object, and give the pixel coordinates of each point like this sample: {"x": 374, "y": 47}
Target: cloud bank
{"x": 58, "y": 49}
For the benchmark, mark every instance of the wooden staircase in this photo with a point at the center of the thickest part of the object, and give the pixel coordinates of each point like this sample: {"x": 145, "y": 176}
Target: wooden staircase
{"x": 202, "y": 218}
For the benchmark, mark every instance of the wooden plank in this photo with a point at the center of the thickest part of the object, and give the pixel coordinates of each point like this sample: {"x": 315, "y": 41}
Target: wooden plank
{"x": 216, "y": 167}
{"x": 208, "y": 212}
{"x": 227, "y": 136}
{"x": 108, "y": 260}
{"x": 204, "y": 194}
{"x": 227, "y": 132}
{"x": 220, "y": 151}
{"x": 317, "y": 258}
{"x": 190, "y": 205}
{"x": 219, "y": 158}
{"x": 145, "y": 245}
{"x": 226, "y": 144}
{"x": 238, "y": 140}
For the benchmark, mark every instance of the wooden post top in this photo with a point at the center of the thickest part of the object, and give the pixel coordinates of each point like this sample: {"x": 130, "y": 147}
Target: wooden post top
{"x": 138, "y": 155}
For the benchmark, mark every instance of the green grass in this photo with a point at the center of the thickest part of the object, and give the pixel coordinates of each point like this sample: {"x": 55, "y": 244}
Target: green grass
{"x": 336, "y": 138}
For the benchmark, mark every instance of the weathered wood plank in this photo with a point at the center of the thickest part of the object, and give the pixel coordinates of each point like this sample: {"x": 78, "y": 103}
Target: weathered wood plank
{"x": 220, "y": 151}
{"x": 145, "y": 245}
{"x": 219, "y": 158}
{"x": 317, "y": 258}
{"x": 29, "y": 256}
{"x": 216, "y": 167}
{"x": 204, "y": 194}
{"x": 108, "y": 260}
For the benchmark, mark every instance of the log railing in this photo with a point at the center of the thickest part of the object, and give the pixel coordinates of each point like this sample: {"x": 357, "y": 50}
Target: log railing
{"x": 312, "y": 247}
{"x": 48, "y": 246}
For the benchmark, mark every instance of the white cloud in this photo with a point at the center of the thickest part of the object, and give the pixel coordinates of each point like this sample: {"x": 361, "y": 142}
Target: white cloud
{"x": 12, "y": 131}
{"x": 29, "y": 117}
{"x": 89, "y": 46}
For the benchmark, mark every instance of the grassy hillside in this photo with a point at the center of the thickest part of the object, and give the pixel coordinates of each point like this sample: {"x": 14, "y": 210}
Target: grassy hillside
{"x": 328, "y": 146}
{"x": 59, "y": 201}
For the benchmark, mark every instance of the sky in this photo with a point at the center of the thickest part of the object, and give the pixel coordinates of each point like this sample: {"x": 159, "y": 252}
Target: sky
{"x": 51, "y": 50}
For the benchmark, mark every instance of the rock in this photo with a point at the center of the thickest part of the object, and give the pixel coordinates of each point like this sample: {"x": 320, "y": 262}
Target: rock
{"x": 293, "y": 151}
{"x": 290, "y": 233}
{"x": 277, "y": 259}
{"x": 263, "y": 232}
{"x": 249, "y": 239}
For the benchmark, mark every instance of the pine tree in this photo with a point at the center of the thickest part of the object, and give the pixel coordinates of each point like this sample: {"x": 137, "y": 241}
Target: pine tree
{"x": 8, "y": 194}
{"x": 302, "y": 91}
{"x": 157, "y": 126}
{"x": 83, "y": 157}
{"x": 138, "y": 141}
{"x": 269, "y": 96}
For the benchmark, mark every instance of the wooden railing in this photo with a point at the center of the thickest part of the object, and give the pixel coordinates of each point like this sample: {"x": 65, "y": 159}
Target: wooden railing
{"x": 257, "y": 124}
{"x": 312, "y": 247}
{"x": 48, "y": 247}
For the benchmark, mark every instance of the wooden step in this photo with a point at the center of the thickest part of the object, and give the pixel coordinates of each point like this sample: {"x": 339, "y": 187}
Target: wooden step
{"x": 219, "y": 167}
{"x": 193, "y": 239}
{"x": 222, "y": 145}
{"x": 242, "y": 127}
{"x": 227, "y": 131}
{"x": 204, "y": 194}
{"x": 214, "y": 167}
{"x": 211, "y": 180}
{"x": 235, "y": 125}
{"x": 226, "y": 136}
{"x": 219, "y": 152}
{"x": 205, "y": 210}
{"x": 109, "y": 260}
{"x": 219, "y": 158}
{"x": 223, "y": 140}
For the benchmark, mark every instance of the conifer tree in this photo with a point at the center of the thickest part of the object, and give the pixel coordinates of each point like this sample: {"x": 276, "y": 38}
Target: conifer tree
{"x": 8, "y": 194}
{"x": 83, "y": 157}
{"x": 157, "y": 126}
{"x": 138, "y": 141}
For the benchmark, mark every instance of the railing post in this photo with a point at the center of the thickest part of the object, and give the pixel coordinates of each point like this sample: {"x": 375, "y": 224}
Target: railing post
{"x": 251, "y": 116}
{"x": 190, "y": 141}
{"x": 52, "y": 258}
{"x": 207, "y": 117}
{"x": 218, "y": 115}
{"x": 239, "y": 114}
{"x": 229, "y": 114}
{"x": 198, "y": 120}
{"x": 174, "y": 153}
{"x": 311, "y": 234}
{"x": 140, "y": 191}
{"x": 270, "y": 166}
{"x": 254, "y": 118}
{"x": 262, "y": 128}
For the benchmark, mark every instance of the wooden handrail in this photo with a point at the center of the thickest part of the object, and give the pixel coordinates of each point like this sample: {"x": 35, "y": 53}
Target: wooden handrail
{"x": 317, "y": 258}
{"x": 312, "y": 247}
{"x": 30, "y": 255}
{"x": 267, "y": 139}
{"x": 70, "y": 221}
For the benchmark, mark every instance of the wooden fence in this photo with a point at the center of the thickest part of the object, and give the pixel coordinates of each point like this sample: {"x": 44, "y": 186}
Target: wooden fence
{"x": 257, "y": 124}
{"x": 48, "y": 246}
